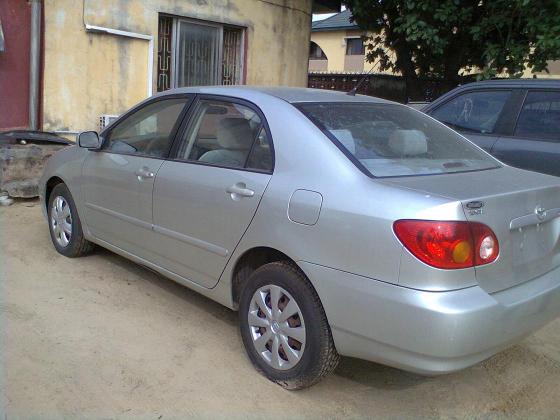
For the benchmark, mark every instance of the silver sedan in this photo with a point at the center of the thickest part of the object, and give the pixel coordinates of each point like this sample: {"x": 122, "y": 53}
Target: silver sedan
{"x": 334, "y": 224}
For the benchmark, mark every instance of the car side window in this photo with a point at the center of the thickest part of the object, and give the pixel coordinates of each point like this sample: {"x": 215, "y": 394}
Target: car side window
{"x": 540, "y": 117}
{"x": 261, "y": 155}
{"x": 147, "y": 131}
{"x": 475, "y": 112}
{"x": 226, "y": 134}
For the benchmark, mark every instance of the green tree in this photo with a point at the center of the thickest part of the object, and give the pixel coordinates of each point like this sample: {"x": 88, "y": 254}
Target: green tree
{"x": 442, "y": 38}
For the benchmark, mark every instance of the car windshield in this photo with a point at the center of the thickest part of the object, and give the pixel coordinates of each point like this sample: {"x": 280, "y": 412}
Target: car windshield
{"x": 394, "y": 140}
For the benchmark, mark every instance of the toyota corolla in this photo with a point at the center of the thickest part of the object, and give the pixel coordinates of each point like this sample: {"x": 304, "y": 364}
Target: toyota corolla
{"x": 335, "y": 225}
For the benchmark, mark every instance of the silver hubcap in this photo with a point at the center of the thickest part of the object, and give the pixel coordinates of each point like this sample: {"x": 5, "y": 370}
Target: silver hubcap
{"x": 61, "y": 221}
{"x": 277, "y": 327}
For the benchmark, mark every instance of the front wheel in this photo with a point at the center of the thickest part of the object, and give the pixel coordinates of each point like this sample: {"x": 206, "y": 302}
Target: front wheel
{"x": 64, "y": 224}
{"x": 284, "y": 327}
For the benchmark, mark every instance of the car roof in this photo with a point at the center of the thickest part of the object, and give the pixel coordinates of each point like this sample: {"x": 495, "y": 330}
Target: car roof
{"x": 494, "y": 83}
{"x": 288, "y": 94}
{"x": 519, "y": 83}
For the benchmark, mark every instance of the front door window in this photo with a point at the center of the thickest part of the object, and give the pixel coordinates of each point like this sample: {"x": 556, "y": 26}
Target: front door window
{"x": 540, "y": 117}
{"x": 148, "y": 131}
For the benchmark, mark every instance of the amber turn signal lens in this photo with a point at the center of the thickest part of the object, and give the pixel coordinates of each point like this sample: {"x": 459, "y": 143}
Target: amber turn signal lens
{"x": 462, "y": 251}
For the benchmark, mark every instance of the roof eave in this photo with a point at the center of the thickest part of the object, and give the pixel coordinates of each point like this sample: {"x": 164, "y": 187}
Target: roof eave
{"x": 337, "y": 28}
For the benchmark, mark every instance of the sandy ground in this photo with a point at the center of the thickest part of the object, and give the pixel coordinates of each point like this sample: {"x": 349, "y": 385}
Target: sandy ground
{"x": 100, "y": 337}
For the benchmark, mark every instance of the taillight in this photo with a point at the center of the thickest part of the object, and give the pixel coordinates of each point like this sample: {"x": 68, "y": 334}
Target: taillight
{"x": 485, "y": 244}
{"x": 448, "y": 245}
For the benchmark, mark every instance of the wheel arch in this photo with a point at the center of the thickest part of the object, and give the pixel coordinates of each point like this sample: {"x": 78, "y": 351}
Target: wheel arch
{"x": 248, "y": 262}
{"x": 52, "y": 182}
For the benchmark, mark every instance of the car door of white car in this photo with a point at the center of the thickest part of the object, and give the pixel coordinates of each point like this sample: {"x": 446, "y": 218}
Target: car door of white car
{"x": 118, "y": 179}
{"x": 206, "y": 195}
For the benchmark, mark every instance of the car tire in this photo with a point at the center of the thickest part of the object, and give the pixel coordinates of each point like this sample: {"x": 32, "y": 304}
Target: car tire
{"x": 306, "y": 362}
{"x": 65, "y": 226}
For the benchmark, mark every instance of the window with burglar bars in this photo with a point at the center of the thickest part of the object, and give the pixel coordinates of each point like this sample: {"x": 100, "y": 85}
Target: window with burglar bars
{"x": 197, "y": 53}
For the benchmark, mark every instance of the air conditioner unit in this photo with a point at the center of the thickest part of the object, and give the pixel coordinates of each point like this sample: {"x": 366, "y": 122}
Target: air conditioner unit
{"x": 106, "y": 120}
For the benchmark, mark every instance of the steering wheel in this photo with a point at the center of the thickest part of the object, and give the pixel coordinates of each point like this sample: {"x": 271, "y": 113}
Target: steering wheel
{"x": 153, "y": 146}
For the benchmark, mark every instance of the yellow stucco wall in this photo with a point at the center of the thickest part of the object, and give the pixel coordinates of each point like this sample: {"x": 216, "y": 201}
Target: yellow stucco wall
{"x": 334, "y": 46}
{"x": 553, "y": 71}
{"x": 88, "y": 74}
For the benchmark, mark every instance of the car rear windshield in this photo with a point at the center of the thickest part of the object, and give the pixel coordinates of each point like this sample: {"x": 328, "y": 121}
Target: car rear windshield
{"x": 393, "y": 140}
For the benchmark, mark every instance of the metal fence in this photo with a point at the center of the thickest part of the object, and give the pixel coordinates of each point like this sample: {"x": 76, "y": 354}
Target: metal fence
{"x": 385, "y": 86}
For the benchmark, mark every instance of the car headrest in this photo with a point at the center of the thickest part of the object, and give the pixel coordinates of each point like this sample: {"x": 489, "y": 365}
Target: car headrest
{"x": 346, "y": 138}
{"x": 234, "y": 134}
{"x": 408, "y": 142}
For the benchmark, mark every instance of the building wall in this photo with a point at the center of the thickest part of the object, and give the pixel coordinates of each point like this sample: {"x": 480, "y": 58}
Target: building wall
{"x": 318, "y": 65}
{"x": 553, "y": 71}
{"x": 14, "y": 64}
{"x": 333, "y": 45}
{"x": 88, "y": 74}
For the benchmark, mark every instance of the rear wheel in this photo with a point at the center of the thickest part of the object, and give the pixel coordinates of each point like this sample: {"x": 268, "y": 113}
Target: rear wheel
{"x": 64, "y": 224}
{"x": 284, "y": 327}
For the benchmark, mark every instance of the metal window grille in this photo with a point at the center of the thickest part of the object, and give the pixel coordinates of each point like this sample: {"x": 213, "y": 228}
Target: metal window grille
{"x": 194, "y": 53}
{"x": 165, "y": 31}
{"x": 231, "y": 56}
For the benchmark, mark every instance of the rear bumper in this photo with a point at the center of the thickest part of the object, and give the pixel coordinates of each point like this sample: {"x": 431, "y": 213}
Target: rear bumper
{"x": 430, "y": 332}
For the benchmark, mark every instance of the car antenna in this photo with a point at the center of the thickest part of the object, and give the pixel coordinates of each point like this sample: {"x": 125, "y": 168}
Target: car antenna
{"x": 353, "y": 91}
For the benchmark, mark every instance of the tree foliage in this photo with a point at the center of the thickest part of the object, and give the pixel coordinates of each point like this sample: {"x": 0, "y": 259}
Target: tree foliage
{"x": 443, "y": 38}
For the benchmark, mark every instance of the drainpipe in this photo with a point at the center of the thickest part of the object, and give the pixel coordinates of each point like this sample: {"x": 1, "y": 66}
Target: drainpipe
{"x": 34, "y": 64}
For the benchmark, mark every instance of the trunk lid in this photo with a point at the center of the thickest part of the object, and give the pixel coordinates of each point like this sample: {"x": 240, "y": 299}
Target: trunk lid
{"x": 521, "y": 207}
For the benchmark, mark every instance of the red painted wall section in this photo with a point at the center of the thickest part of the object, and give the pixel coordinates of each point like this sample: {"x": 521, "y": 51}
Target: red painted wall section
{"x": 14, "y": 64}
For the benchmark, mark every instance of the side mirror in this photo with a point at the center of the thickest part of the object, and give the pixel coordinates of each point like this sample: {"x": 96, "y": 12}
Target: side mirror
{"x": 89, "y": 140}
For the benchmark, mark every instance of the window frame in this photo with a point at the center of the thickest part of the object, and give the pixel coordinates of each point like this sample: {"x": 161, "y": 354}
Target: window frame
{"x": 526, "y": 93}
{"x": 354, "y": 38}
{"x": 106, "y": 133}
{"x": 505, "y": 123}
{"x": 188, "y": 120}
{"x": 218, "y": 25}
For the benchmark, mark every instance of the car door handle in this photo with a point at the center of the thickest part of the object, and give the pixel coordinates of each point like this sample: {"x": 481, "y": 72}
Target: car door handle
{"x": 144, "y": 173}
{"x": 239, "y": 190}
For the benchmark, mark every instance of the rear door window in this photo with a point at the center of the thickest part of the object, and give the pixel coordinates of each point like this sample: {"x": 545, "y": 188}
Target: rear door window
{"x": 540, "y": 117}
{"x": 227, "y": 134}
{"x": 475, "y": 112}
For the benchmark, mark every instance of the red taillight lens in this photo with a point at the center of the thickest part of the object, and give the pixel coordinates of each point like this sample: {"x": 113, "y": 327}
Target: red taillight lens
{"x": 448, "y": 245}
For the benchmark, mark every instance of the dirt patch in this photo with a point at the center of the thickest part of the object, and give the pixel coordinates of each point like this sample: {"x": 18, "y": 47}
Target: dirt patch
{"x": 101, "y": 337}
